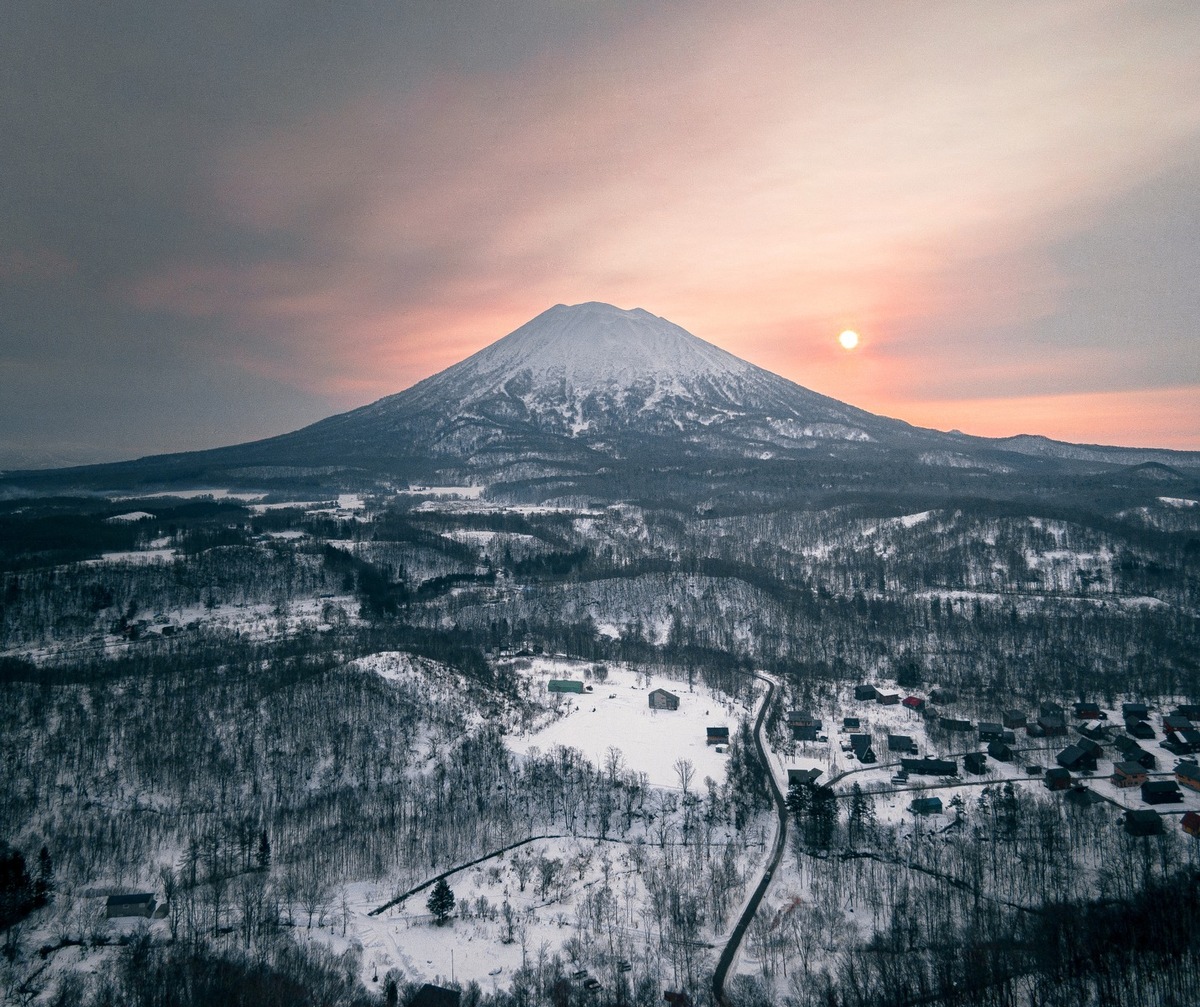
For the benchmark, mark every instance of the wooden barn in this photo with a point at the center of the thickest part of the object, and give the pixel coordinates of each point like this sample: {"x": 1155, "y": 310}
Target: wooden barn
{"x": 660, "y": 699}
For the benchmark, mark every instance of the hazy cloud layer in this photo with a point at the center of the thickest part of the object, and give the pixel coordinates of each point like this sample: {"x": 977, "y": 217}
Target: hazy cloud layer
{"x": 222, "y": 223}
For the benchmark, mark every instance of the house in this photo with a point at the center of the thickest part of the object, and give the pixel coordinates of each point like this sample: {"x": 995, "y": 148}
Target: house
{"x": 887, "y": 698}
{"x": 564, "y": 685}
{"x": 1139, "y": 728}
{"x": 1189, "y": 710}
{"x": 1087, "y": 711}
{"x": 141, "y": 904}
{"x": 1012, "y": 719}
{"x": 435, "y": 996}
{"x": 1082, "y": 796}
{"x": 914, "y": 703}
{"x": 951, "y": 724}
{"x": 999, "y": 751}
{"x": 1051, "y": 725}
{"x": 1191, "y": 823}
{"x": 942, "y": 696}
{"x": 717, "y": 736}
{"x": 1190, "y": 740}
{"x": 1050, "y": 709}
{"x": 1058, "y": 778}
{"x": 1075, "y": 758}
{"x": 805, "y": 727}
{"x": 1090, "y": 748}
{"x": 1174, "y": 723}
{"x": 930, "y": 767}
{"x": 864, "y": 692}
{"x": 1135, "y": 711}
{"x": 926, "y": 806}
{"x": 901, "y": 743}
{"x": 851, "y": 723}
{"x": 975, "y": 763}
{"x": 1128, "y": 774}
{"x": 1188, "y": 774}
{"x": 1134, "y": 752}
{"x": 990, "y": 732}
{"x": 1161, "y": 792}
{"x": 660, "y": 699}
{"x": 1143, "y": 823}
{"x": 1093, "y": 729}
{"x": 860, "y": 744}
{"x": 803, "y": 777}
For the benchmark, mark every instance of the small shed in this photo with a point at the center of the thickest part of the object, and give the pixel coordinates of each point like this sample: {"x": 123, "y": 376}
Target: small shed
{"x": 851, "y": 723}
{"x": 139, "y": 904}
{"x": 1161, "y": 792}
{"x": 1143, "y": 822}
{"x": 926, "y": 806}
{"x": 660, "y": 699}
{"x": 1191, "y": 823}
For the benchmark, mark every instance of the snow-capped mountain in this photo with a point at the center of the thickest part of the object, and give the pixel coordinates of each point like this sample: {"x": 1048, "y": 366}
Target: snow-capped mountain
{"x": 590, "y": 398}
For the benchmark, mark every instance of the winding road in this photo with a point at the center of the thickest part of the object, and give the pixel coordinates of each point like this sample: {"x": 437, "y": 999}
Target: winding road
{"x": 725, "y": 962}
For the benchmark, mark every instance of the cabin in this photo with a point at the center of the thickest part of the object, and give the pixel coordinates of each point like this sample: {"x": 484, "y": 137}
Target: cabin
{"x": 942, "y": 696}
{"x": 915, "y": 703}
{"x": 435, "y": 996}
{"x": 1161, "y": 792}
{"x": 1051, "y": 725}
{"x": 805, "y": 727}
{"x": 1058, "y": 778}
{"x": 901, "y": 743}
{"x": 1075, "y": 758}
{"x": 865, "y": 692}
{"x": 952, "y": 724}
{"x": 887, "y": 698}
{"x": 851, "y": 723}
{"x": 926, "y": 806}
{"x": 803, "y": 777}
{"x": 860, "y": 744}
{"x": 1189, "y": 710}
{"x": 1085, "y": 710}
{"x": 1190, "y": 740}
{"x": 1013, "y": 719}
{"x": 930, "y": 767}
{"x": 140, "y": 904}
{"x": 1134, "y": 711}
{"x": 1093, "y": 729}
{"x": 1143, "y": 822}
{"x": 1082, "y": 796}
{"x": 1191, "y": 823}
{"x": 717, "y": 736}
{"x": 1128, "y": 774}
{"x": 1174, "y": 723}
{"x": 660, "y": 699}
{"x": 1051, "y": 709}
{"x": 1090, "y": 747}
{"x": 1139, "y": 729}
{"x": 990, "y": 732}
{"x": 1188, "y": 774}
{"x": 1000, "y": 751}
{"x": 563, "y": 685}
{"x": 975, "y": 763}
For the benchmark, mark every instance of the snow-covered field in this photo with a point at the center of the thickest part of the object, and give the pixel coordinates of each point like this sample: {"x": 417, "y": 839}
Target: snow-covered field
{"x": 617, "y": 713}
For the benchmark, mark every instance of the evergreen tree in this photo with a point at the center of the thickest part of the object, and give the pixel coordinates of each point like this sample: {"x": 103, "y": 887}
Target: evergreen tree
{"x": 16, "y": 887}
{"x": 263, "y": 856}
{"x": 441, "y": 901}
{"x": 43, "y": 887}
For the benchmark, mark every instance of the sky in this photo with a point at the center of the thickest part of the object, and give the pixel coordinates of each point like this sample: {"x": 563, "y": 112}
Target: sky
{"x": 220, "y": 222}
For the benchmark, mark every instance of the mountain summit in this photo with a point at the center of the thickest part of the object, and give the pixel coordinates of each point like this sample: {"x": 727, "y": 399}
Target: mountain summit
{"x": 592, "y": 399}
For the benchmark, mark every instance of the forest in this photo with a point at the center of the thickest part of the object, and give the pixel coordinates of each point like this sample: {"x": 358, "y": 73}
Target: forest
{"x": 263, "y": 708}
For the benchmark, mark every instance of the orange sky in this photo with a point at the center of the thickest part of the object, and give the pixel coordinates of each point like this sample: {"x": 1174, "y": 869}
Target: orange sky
{"x": 1001, "y": 199}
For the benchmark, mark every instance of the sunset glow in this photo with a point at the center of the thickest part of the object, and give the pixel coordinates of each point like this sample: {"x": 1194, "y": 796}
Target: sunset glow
{"x": 848, "y": 339}
{"x": 999, "y": 195}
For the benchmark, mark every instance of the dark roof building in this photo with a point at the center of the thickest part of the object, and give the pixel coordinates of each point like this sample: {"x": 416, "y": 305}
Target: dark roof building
{"x": 1191, "y": 823}
{"x": 926, "y": 806}
{"x": 803, "y": 777}
{"x": 901, "y": 743}
{"x": 930, "y": 767}
{"x": 1143, "y": 822}
{"x": 1139, "y": 728}
{"x": 990, "y": 732}
{"x": 1075, "y": 758}
{"x": 435, "y": 996}
{"x": 1085, "y": 710}
{"x": 975, "y": 763}
{"x": 1161, "y": 792}
{"x": 1128, "y": 774}
{"x": 564, "y": 685}
{"x": 1013, "y": 719}
{"x": 1174, "y": 723}
{"x": 952, "y": 724}
{"x": 1052, "y": 725}
{"x": 865, "y": 692}
{"x": 660, "y": 699}
{"x": 138, "y": 904}
{"x": 887, "y": 698}
{"x": 717, "y": 736}
{"x": 999, "y": 751}
{"x": 851, "y": 723}
{"x": 914, "y": 703}
{"x": 1058, "y": 778}
{"x": 1188, "y": 774}
{"x": 942, "y": 696}
{"x": 1135, "y": 711}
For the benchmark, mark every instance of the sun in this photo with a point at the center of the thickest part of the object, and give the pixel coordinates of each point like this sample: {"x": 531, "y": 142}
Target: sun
{"x": 848, "y": 339}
